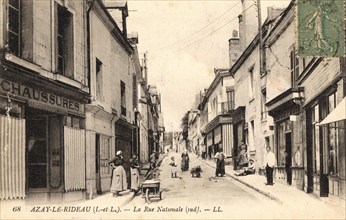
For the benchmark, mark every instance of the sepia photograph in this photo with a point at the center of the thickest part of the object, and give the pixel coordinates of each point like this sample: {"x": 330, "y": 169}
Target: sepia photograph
{"x": 172, "y": 109}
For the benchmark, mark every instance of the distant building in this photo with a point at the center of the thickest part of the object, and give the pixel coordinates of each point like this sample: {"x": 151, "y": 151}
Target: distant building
{"x": 218, "y": 104}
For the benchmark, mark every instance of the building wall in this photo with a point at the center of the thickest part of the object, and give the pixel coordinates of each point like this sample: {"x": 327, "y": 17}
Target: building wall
{"x": 329, "y": 70}
{"x": 278, "y": 58}
{"x": 218, "y": 94}
{"x": 38, "y": 57}
{"x": 117, "y": 67}
{"x": 254, "y": 137}
{"x": 105, "y": 109}
{"x": 43, "y": 41}
{"x": 143, "y": 109}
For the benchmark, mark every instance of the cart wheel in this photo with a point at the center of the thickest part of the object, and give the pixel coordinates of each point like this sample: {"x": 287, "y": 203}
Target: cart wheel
{"x": 161, "y": 195}
{"x": 147, "y": 199}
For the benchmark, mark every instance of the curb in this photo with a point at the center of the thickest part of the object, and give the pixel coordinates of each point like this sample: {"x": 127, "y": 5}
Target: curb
{"x": 276, "y": 199}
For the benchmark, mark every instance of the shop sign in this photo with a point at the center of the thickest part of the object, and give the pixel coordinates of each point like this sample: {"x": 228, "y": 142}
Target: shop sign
{"x": 39, "y": 96}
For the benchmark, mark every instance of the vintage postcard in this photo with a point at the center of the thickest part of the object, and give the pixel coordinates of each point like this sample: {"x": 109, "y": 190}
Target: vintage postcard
{"x": 172, "y": 109}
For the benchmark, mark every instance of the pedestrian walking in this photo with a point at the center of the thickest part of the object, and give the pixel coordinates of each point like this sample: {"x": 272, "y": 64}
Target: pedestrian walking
{"x": 220, "y": 163}
{"x": 185, "y": 161}
{"x": 119, "y": 181}
{"x": 269, "y": 162}
{"x": 134, "y": 171}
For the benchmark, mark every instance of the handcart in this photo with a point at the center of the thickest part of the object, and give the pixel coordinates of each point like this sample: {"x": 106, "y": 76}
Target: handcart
{"x": 151, "y": 189}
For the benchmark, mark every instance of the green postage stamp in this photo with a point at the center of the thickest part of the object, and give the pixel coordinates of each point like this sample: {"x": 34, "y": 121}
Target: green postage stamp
{"x": 321, "y": 28}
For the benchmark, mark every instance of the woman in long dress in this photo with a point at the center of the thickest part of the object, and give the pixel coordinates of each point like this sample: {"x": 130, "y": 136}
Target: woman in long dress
{"x": 185, "y": 161}
{"x": 119, "y": 181}
{"x": 134, "y": 170}
{"x": 220, "y": 163}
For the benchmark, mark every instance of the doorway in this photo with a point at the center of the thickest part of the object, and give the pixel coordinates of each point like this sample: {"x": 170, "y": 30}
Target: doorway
{"x": 44, "y": 151}
{"x": 288, "y": 160}
{"x": 37, "y": 153}
{"x": 97, "y": 164}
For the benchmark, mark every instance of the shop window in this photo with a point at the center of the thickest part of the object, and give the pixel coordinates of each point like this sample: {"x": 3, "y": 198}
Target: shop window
{"x": 263, "y": 105}
{"x": 283, "y": 128}
{"x": 64, "y": 44}
{"x": 99, "y": 81}
{"x": 333, "y": 139}
{"x": 36, "y": 153}
{"x": 14, "y": 26}
{"x": 74, "y": 122}
{"x": 123, "y": 98}
{"x": 294, "y": 60}
{"x": 315, "y": 138}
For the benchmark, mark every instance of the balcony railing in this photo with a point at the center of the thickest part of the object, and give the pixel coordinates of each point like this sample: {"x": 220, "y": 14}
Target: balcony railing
{"x": 226, "y": 107}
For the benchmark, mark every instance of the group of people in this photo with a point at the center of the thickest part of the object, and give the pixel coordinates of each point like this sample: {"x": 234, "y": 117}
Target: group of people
{"x": 119, "y": 179}
{"x": 185, "y": 160}
{"x": 248, "y": 166}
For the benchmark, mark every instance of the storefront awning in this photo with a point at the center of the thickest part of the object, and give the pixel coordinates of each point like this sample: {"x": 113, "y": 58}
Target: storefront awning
{"x": 338, "y": 114}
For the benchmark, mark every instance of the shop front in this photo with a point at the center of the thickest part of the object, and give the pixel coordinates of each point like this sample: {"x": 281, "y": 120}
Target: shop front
{"x": 238, "y": 117}
{"x": 325, "y": 174}
{"x": 43, "y": 140}
{"x": 99, "y": 151}
{"x": 288, "y": 138}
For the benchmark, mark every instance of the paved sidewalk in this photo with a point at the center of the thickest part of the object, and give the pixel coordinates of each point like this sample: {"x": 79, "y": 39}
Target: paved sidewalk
{"x": 283, "y": 194}
{"x": 108, "y": 199}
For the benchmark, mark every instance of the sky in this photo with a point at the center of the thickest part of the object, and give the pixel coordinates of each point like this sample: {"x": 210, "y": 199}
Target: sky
{"x": 184, "y": 41}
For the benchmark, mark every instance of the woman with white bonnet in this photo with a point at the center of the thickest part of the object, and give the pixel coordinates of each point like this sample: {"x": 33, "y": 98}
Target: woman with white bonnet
{"x": 119, "y": 181}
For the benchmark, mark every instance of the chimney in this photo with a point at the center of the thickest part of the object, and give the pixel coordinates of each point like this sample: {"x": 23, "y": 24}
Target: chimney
{"x": 248, "y": 24}
{"x": 234, "y": 48}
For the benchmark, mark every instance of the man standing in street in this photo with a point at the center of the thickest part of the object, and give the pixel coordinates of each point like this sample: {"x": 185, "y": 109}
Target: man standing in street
{"x": 269, "y": 164}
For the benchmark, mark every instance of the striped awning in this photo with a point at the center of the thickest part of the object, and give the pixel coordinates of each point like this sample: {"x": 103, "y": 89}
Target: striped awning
{"x": 338, "y": 114}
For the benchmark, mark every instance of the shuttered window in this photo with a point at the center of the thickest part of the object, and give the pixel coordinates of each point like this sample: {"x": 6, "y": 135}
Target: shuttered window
{"x": 12, "y": 158}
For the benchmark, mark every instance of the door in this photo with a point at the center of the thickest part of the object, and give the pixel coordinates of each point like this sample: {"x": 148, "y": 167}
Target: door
{"x": 37, "y": 153}
{"x": 288, "y": 142}
{"x": 97, "y": 164}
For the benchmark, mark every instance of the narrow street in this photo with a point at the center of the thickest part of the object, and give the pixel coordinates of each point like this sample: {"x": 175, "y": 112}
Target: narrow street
{"x": 218, "y": 198}
{"x": 207, "y": 196}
